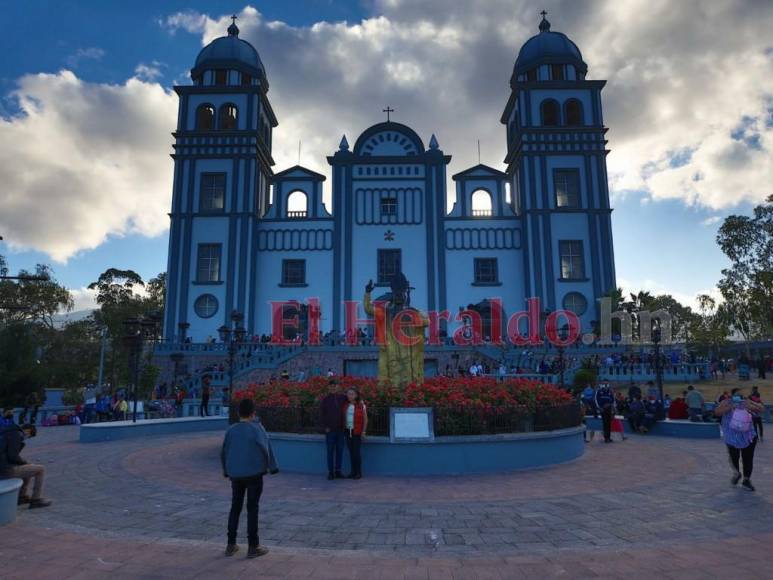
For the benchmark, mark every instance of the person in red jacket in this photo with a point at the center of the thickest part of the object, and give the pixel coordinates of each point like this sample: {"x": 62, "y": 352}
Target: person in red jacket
{"x": 678, "y": 409}
{"x": 355, "y": 427}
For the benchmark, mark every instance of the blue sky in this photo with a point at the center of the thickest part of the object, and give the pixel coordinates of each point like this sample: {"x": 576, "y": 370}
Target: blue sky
{"x": 668, "y": 205}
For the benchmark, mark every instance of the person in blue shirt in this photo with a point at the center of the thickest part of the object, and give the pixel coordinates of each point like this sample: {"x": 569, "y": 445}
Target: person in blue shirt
{"x": 246, "y": 457}
{"x": 605, "y": 402}
{"x": 588, "y": 402}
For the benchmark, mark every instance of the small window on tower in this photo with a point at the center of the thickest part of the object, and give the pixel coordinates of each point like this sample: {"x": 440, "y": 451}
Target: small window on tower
{"x": 205, "y": 118}
{"x": 221, "y": 77}
{"x": 573, "y": 112}
{"x": 293, "y": 272}
{"x": 228, "y": 117}
{"x": 531, "y": 75}
{"x": 557, "y": 72}
{"x": 388, "y": 206}
{"x": 551, "y": 115}
{"x": 246, "y": 79}
{"x": 486, "y": 271}
{"x": 212, "y": 194}
{"x": 567, "y": 186}
{"x": 389, "y": 264}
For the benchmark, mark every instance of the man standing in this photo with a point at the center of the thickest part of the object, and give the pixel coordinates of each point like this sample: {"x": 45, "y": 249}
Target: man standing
{"x": 246, "y": 457}
{"x": 205, "y": 392}
{"x": 694, "y": 400}
{"x": 90, "y": 402}
{"x": 332, "y": 419}
{"x": 605, "y": 402}
{"x": 12, "y": 465}
{"x": 179, "y": 397}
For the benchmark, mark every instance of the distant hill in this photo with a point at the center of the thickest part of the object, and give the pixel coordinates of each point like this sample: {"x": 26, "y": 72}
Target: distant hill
{"x": 66, "y": 317}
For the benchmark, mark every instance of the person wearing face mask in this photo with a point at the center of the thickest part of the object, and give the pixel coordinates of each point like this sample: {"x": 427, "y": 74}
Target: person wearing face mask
{"x": 738, "y": 433}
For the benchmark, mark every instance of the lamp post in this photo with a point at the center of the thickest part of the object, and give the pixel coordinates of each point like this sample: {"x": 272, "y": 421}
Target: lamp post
{"x": 563, "y": 332}
{"x": 232, "y": 336}
{"x": 137, "y": 331}
{"x": 656, "y": 336}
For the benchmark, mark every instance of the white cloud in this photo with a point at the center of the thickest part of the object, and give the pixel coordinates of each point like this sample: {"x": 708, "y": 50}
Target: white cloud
{"x": 83, "y": 299}
{"x": 688, "y": 99}
{"x": 84, "y": 161}
{"x": 90, "y": 53}
{"x": 687, "y": 102}
{"x": 710, "y": 221}
{"x": 149, "y": 72}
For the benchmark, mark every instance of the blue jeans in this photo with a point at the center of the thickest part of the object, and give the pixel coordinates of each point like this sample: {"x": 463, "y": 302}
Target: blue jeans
{"x": 335, "y": 450}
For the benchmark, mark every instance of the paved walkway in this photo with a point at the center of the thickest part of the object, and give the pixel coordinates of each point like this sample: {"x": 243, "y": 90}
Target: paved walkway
{"x": 156, "y": 508}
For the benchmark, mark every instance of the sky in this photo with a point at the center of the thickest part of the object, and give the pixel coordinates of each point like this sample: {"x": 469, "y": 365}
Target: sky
{"x": 87, "y": 108}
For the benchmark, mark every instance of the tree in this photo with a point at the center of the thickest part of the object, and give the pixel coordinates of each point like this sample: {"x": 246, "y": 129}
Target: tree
{"x": 710, "y": 327}
{"x": 20, "y": 370}
{"x": 747, "y": 285}
{"x": 32, "y": 297}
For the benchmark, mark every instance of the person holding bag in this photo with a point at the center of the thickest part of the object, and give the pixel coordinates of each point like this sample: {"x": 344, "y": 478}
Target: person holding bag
{"x": 739, "y": 435}
{"x": 355, "y": 427}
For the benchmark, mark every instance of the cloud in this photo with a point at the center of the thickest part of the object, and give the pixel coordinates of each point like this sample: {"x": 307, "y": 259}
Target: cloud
{"x": 83, "y": 299}
{"x": 84, "y": 161}
{"x": 655, "y": 287}
{"x": 688, "y": 103}
{"x": 688, "y": 99}
{"x": 91, "y": 53}
{"x": 710, "y": 221}
{"x": 149, "y": 72}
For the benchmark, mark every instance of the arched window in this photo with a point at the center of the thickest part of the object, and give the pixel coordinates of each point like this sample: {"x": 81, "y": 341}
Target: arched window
{"x": 297, "y": 205}
{"x": 481, "y": 203}
{"x": 228, "y": 117}
{"x": 551, "y": 114}
{"x": 205, "y": 118}
{"x": 573, "y": 112}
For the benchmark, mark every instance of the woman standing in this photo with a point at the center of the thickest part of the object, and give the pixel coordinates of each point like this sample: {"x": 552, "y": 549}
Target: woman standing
{"x": 355, "y": 426}
{"x": 739, "y": 435}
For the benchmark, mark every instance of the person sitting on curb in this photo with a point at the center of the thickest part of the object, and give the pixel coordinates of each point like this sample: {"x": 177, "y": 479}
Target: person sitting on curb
{"x": 12, "y": 465}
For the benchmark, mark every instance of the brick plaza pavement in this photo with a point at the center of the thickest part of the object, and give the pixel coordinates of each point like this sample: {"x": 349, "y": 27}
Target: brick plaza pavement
{"x": 156, "y": 508}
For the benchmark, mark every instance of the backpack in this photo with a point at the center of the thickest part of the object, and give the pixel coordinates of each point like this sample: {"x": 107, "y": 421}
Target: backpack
{"x": 741, "y": 421}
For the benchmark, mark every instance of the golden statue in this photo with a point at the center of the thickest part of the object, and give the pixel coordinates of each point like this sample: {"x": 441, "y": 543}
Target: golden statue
{"x": 400, "y": 358}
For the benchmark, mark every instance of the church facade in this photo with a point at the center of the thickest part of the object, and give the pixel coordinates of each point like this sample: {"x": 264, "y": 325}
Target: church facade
{"x": 242, "y": 236}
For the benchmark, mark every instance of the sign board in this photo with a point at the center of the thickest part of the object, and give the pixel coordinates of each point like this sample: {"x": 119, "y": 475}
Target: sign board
{"x": 411, "y": 424}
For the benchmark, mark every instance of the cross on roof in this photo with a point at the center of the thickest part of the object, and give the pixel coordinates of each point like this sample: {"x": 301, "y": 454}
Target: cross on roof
{"x": 543, "y": 14}
{"x": 387, "y": 111}
{"x": 233, "y": 18}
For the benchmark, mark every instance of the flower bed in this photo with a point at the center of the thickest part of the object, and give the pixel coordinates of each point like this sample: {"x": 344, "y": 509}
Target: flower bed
{"x": 434, "y": 392}
{"x": 463, "y": 406}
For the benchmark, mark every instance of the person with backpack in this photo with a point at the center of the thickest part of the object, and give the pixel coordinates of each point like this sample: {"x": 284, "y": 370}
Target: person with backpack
{"x": 738, "y": 433}
{"x": 605, "y": 402}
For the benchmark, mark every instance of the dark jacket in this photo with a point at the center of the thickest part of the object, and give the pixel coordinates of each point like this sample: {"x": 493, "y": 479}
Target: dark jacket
{"x": 11, "y": 444}
{"x": 330, "y": 410}
{"x": 247, "y": 451}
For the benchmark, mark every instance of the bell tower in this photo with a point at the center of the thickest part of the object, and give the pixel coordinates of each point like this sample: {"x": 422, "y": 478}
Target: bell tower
{"x": 556, "y": 165}
{"x": 222, "y": 173}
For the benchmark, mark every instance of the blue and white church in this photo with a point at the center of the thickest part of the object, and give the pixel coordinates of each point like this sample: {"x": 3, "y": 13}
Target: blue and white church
{"x": 243, "y": 235}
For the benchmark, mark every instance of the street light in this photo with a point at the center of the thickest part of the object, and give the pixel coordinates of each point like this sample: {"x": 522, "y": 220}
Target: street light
{"x": 656, "y": 336}
{"x": 563, "y": 332}
{"x": 137, "y": 331}
{"x": 232, "y": 336}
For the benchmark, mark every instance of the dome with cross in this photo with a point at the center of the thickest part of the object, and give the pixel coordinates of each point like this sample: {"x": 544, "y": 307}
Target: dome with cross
{"x": 549, "y": 47}
{"x": 229, "y": 52}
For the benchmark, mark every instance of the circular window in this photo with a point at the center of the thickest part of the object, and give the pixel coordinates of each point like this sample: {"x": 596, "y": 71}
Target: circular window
{"x": 205, "y": 306}
{"x": 575, "y": 302}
